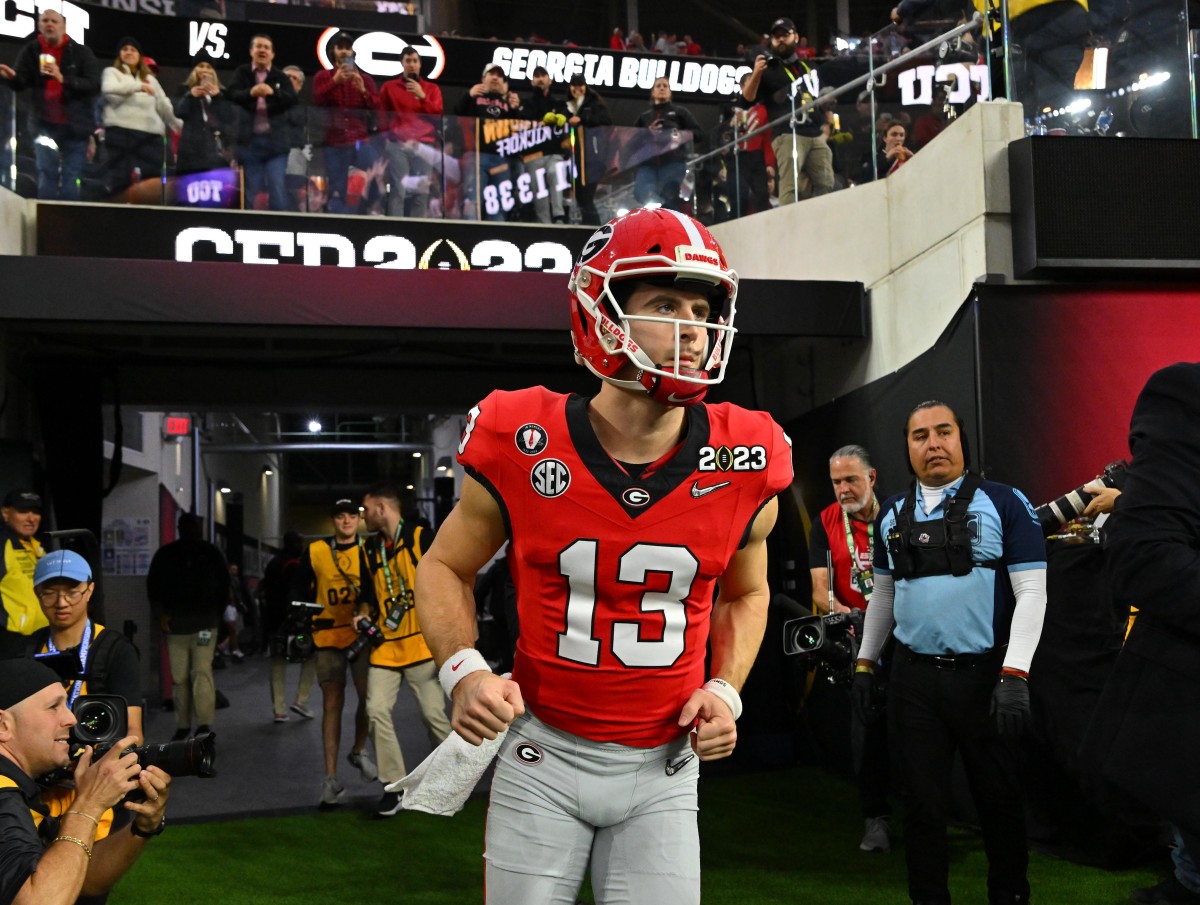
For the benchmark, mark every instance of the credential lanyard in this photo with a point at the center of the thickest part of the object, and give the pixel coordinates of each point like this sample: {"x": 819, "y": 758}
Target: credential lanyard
{"x": 84, "y": 646}
{"x": 858, "y": 575}
{"x": 387, "y": 571}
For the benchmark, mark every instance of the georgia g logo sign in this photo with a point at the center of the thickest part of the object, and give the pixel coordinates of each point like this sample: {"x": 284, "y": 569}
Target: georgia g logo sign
{"x": 377, "y": 53}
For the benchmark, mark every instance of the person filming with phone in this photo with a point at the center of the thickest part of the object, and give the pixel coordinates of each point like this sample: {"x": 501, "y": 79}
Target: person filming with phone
{"x": 348, "y": 97}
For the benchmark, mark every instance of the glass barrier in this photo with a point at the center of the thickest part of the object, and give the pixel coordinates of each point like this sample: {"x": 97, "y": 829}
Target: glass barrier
{"x": 880, "y": 102}
{"x": 1113, "y": 70}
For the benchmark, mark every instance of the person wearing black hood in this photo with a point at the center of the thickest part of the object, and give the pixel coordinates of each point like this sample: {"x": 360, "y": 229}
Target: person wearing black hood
{"x": 658, "y": 179}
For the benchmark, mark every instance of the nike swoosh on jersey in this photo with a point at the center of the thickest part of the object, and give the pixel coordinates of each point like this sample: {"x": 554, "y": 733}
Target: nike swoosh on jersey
{"x": 698, "y": 491}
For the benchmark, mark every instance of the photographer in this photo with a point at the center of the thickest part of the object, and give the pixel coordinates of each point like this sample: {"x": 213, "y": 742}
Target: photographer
{"x": 844, "y": 535}
{"x": 771, "y": 82}
{"x": 402, "y": 656}
{"x": 52, "y": 856}
{"x": 108, "y": 663}
{"x": 333, "y": 572}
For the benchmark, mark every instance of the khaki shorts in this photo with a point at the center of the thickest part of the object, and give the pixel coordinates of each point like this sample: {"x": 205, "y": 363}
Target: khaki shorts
{"x": 332, "y": 664}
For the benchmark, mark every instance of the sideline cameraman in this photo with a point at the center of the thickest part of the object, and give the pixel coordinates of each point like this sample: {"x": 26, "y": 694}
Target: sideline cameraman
{"x": 845, "y": 531}
{"x": 333, "y": 572}
{"x": 51, "y": 858}
{"x": 403, "y": 656}
{"x": 108, "y": 663}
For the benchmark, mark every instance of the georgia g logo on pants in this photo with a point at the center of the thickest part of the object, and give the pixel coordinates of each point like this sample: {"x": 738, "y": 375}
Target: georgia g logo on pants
{"x": 527, "y": 754}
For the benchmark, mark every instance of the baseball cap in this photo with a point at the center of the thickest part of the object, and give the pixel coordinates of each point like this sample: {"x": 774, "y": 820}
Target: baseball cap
{"x": 341, "y": 37}
{"x": 23, "y": 499}
{"x": 22, "y": 678}
{"x": 490, "y": 66}
{"x": 62, "y": 564}
{"x": 783, "y": 23}
{"x": 344, "y": 505}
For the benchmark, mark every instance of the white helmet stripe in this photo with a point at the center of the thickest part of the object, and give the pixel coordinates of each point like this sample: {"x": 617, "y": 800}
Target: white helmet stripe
{"x": 688, "y": 225}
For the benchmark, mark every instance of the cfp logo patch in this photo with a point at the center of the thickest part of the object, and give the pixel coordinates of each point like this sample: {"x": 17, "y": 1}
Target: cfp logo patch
{"x": 550, "y": 478}
{"x": 531, "y": 438}
{"x": 733, "y": 458}
{"x": 527, "y": 754}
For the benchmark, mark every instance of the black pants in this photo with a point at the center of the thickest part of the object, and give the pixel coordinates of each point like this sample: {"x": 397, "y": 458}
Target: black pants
{"x": 935, "y": 713}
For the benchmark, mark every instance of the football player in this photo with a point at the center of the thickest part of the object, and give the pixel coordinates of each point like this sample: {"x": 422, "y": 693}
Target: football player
{"x": 629, "y": 513}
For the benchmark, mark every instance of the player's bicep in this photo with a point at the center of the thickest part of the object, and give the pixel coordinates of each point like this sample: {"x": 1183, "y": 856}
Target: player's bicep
{"x": 747, "y": 571}
{"x": 471, "y": 534}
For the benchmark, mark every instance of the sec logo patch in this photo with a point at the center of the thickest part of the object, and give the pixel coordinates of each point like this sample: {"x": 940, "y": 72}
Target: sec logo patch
{"x": 550, "y": 478}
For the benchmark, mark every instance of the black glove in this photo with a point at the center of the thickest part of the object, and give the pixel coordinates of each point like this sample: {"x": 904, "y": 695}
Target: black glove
{"x": 862, "y": 695}
{"x": 1010, "y": 705}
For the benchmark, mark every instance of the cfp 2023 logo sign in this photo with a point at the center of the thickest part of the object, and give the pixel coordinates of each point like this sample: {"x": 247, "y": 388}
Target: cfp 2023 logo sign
{"x": 18, "y": 18}
{"x": 387, "y": 252}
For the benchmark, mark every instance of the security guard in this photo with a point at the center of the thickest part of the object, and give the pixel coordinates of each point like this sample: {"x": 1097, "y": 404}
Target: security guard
{"x": 961, "y": 576}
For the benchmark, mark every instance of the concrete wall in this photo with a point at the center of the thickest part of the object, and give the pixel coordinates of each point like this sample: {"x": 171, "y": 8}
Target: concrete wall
{"x": 918, "y": 240}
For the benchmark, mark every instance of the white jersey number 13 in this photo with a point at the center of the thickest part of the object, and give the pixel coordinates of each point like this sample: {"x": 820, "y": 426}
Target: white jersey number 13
{"x": 578, "y": 564}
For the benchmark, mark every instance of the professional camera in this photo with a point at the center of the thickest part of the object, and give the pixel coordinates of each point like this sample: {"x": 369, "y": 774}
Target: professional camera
{"x": 294, "y": 641}
{"x": 370, "y": 633}
{"x": 103, "y": 721}
{"x": 832, "y": 641}
{"x": 1070, "y": 506}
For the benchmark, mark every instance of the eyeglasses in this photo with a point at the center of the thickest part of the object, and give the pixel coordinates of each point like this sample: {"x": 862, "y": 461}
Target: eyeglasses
{"x": 71, "y": 596}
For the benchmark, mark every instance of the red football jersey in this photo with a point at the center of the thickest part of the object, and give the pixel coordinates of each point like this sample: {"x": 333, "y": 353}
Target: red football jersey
{"x": 615, "y": 575}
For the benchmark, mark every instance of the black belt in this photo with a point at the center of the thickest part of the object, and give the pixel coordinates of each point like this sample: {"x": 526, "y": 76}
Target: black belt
{"x": 953, "y": 661}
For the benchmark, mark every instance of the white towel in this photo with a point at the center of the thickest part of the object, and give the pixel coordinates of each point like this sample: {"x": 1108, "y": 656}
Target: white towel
{"x": 443, "y": 781}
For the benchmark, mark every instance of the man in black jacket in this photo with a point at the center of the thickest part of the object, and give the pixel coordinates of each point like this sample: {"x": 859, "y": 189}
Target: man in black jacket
{"x": 658, "y": 179}
{"x": 264, "y": 94}
{"x": 1144, "y": 736}
{"x": 66, "y": 80}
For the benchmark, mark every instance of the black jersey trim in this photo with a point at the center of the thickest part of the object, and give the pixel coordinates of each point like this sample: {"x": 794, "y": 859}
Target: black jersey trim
{"x": 609, "y": 475}
{"x": 491, "y": 488}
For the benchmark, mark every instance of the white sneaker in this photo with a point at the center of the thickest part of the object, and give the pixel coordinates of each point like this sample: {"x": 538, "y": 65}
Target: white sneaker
{"x": 875, "y": 835}
{"x": 362, "y": 761}
{"x": 331, "y": 791}
{"x": 302, "y": 710}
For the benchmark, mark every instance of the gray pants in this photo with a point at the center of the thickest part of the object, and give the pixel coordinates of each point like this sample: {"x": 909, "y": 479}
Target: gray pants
{"x": 559, "y": 800}
{"x": 405, "y": 165}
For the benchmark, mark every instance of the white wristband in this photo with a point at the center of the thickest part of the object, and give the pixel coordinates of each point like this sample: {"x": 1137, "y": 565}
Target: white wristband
{"x": 467, "y": 660}
{"x": 726, "y": 693}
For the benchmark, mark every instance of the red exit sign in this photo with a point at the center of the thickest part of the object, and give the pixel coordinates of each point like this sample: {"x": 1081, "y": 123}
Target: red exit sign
{"x": 178, "y": 426}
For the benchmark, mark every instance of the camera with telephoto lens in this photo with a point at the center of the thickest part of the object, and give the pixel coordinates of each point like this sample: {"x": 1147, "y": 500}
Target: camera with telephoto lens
{"x": 369, "y": 633}
{"x": 104, "y": 721}
{"x": 1070, "y": 505}
{"x": 831, "y": 641}
{"x": 294, "y": 640}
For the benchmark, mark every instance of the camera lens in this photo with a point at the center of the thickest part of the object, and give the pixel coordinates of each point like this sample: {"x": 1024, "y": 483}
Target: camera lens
{"x": 97, "y": 720}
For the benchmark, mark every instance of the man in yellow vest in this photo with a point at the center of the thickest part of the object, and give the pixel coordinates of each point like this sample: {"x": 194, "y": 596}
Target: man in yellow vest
{"x": 393, "y": 551}
{"x": 21, "y": 615}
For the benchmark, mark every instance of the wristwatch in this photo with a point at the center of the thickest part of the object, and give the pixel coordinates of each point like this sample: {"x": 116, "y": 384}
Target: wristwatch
{"x": 157, "y": 831}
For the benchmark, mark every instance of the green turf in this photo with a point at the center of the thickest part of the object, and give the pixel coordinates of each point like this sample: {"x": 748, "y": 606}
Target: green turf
{"x": 777, "y": 837}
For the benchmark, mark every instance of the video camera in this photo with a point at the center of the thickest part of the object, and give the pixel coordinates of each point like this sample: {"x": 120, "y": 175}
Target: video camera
{"x": 370, "y": 633}
{"x": 1070, "y": 505}
{"x": 294, "y": 641}
{"x": 832, "y": 641}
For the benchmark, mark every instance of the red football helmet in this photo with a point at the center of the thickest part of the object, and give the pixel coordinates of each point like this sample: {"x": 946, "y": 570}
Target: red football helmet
{"x": 651, "y": 244}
